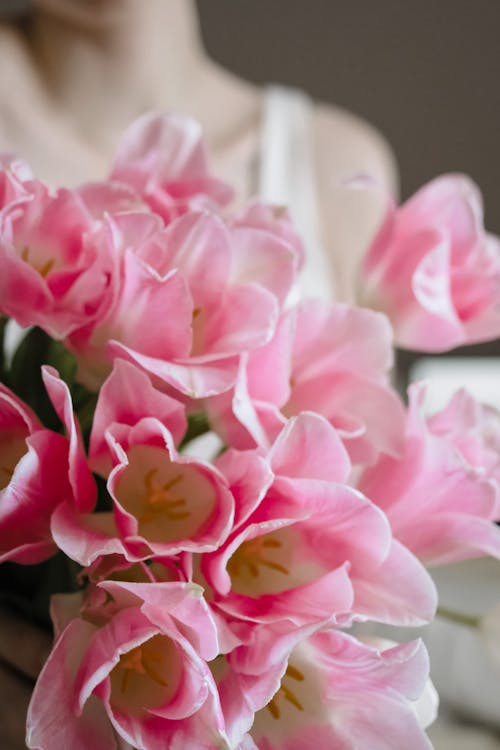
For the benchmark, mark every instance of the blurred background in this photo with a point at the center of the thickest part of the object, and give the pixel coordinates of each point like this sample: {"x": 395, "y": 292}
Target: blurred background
{"x": 425, "y": 74}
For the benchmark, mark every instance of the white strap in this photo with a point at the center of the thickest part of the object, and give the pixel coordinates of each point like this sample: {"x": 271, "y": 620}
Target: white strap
{"x": 287, "y": 177}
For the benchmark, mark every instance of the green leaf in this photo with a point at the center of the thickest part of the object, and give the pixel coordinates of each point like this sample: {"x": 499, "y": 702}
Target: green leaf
{"x": 3, "y": 324}
{"x": 198, "y": 424}
{"x": 25, "y": 376}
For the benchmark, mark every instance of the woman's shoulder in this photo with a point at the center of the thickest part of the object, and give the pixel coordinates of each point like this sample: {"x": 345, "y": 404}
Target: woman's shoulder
{"x": 348, "y": 146}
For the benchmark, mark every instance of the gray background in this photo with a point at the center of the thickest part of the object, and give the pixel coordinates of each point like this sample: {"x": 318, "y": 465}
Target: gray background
{"x": 425, "y": 73}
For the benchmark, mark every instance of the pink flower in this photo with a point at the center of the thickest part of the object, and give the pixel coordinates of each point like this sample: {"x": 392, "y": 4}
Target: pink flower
{"x": 163, "y": 157}
{"x": 331, "y": 359}
{"x": 108, "y": 197}
{"x": 14, "y": 173}
{"x": 337, "y": 693}
{"x": 118, "y": 568}
{"x": 40, "y": 469}
{"x": 438, "y": 505}
{"x": 33, "y": 481}
{"x": 50, "y": 276}
{"x": 83, "y": 489}
{"x": 435, "y": 270}
{"x": 163, "y": 503}
{"x": 304, "y": 545}
{"x": 139, "y": 672}
{"x": 125, "y": 397}
{"x": 474, "y": 430}
{"x": 249, "y": 675}
{"x": 273, "y": 219}
{"x": 182, "y": 303}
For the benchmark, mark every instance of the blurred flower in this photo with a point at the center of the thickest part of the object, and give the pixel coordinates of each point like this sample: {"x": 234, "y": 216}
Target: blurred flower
{"x": 438, "y": 505}
{"x": 331, "y": 359}
{"x": 139, "y": 670}
{"x": 434, "y": 270}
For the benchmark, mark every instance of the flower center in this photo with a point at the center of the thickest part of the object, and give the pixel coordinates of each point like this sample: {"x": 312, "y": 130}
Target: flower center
{"x": 171, "y": 501}
{"x": 159, "y": 499}
{"x": 12, "y": 449}
{"x": 141, "y": 662}
{"x": 43, "y": 269}
{"x": 147, "y": 676}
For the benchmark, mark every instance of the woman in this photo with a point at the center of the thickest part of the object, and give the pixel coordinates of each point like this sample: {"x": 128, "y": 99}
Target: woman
{"x": 79, "y": 71}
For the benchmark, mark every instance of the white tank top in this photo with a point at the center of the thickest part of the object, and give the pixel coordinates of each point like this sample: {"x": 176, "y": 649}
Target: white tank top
{"x": 287, "y": 177}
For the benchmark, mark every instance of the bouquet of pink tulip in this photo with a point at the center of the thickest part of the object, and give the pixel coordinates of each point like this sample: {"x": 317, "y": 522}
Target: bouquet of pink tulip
{"x": 216, "y": 586}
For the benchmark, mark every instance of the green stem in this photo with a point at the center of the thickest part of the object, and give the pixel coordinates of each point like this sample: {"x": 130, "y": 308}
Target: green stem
{"x": 85, "y": 412}
{"x": 3, "y": 324}
{"x": 470, "y": 621}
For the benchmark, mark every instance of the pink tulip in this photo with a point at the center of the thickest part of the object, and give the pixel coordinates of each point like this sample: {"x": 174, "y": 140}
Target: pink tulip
{"x": 331, "y": 359}
{"x": 51, "y": 277}
{"x": 249, "y": 675}
{"x": 83, "y": 495}
{"x": 474, "y": 430}
{"x": 14, "y": 173}
{"x": 33, "y": 481}
{"x": 438, "y": 505}
{"x": 336, "y": 693}
{"x": 434, "y": 270}
{"x": 195, "y": 306}
{"x": 275, "y": 220}
{"x": 305, "y": 546}
{"x": 40, "y": 470}
{"x": 163, "y": 157}
{"x": 108, "y": 197}
{"x": 163, "y": 503}
{"x": 139, "y": 673}
{"x": 125, "y": 398}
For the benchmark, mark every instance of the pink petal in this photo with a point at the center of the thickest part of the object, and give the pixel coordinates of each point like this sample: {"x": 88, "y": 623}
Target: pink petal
{"x": 52, "y": 720}
{"x": 197, "y": 380}
{"x": 309, "y": 447}
{"x": 39, "y": 484}
{"x": 181, "y": 601}
{"x": 84, "y": 537}
{"x": 82, "y": 482}
{"x": 398, "y": 592}
{"x": 263, "y": 258}
{"x": 126, "y": 397}
{"x": 249, "y": 478}
{"x": 245, "y": 320}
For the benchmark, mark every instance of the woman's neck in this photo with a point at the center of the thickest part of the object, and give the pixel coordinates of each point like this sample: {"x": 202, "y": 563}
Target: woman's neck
{"x": 107, "y": 61}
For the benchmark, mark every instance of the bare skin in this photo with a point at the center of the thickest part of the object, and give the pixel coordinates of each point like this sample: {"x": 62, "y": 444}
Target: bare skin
{"x": 68, "y": 90}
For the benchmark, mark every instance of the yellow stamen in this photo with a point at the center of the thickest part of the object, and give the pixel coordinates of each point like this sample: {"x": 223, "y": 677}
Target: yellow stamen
{"x": 275, "y": 566}
{"x": 46, "y": 268}
{"x": 273, "y": 709}
{"x": 294, "y": 673}
{"x": 287, "y": 694}
{"x": 271, "y": 543}
{"x": 291, "y": 697}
